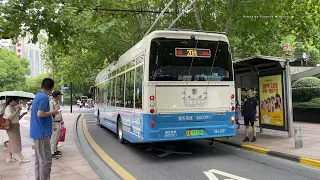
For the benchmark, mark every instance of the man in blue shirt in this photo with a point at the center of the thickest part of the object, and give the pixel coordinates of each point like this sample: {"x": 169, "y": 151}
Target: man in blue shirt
{"x": 41, "y": 129}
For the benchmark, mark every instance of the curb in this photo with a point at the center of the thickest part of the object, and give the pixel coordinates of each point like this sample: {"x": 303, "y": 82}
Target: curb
{"x": 302, "y": 160}
{"x": 103, "y": 171}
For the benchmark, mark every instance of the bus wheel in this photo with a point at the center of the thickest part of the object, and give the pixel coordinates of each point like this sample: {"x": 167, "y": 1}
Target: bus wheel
{"x": 98, "y": 121}
{"x": 120, "y": 131}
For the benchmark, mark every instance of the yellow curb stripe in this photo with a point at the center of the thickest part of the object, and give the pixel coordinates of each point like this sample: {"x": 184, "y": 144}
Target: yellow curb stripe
{"x": 115, "y": 166}
{"x": 255, "y": 148}
{"x": 311, "y": 162}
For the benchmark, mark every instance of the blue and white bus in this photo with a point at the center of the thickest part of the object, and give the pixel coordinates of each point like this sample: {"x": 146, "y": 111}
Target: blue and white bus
{"x": 172, "y": 85}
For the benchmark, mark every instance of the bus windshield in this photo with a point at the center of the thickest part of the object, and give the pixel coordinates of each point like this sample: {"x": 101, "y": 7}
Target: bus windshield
{"x": 189, "y": 60}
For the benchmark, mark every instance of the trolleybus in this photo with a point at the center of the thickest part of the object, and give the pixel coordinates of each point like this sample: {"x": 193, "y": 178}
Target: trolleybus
{"x": 172, "y": 85}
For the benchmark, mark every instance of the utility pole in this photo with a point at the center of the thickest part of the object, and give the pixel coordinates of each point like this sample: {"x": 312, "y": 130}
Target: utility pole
{"x": 71, "y": 88}
{"x": 62, "y": 88}
{"x": 53, "y": 62}
{"x": 176, "y": 8}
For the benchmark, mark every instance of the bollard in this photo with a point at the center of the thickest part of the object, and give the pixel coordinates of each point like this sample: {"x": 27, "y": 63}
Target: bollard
{"x": 298, "y": 137}
{"x": 261, "y": 130}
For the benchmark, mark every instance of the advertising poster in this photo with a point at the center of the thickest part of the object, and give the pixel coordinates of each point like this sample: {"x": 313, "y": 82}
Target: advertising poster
{"x": 271, "y": 100}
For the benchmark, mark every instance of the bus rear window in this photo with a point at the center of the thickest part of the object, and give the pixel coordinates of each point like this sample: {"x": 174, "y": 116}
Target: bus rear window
{"x": 189, "y": 60}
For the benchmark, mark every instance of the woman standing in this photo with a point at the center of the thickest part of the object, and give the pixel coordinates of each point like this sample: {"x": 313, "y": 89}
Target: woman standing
{"x": 12, "y": 112}
{"x": 3, "y": 134}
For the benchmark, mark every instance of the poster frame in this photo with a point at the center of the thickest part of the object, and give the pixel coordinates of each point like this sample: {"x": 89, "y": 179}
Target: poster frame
{"x": 284, "y": 97}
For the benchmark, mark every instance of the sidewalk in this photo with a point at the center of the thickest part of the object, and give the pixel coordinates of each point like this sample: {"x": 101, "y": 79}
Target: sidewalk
{"x": 71, "y": 166}
{"x": 279, "y": 141}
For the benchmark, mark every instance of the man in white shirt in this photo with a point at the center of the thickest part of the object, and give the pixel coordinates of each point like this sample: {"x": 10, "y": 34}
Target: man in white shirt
{"x": 57, "y": 121}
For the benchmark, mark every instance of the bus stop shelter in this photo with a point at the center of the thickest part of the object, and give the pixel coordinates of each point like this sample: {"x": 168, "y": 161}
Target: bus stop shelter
{"x": 271, "y": 76}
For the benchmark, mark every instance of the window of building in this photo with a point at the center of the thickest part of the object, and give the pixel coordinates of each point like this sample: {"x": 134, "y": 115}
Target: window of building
{"x": 31, "y": 62}
{"x": 129, "y": 89}
{"x": 36, "y": 62}
{"x": 138, "y": 87}
{"x": 25, "y": 52}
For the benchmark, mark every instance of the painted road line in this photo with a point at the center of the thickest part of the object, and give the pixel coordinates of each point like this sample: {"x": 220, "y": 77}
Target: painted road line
{"x": 255, "y": 148}
{"x": 309, "y": 161}
{"x": 211, "y": 175}
{"x": 105, "y": 157}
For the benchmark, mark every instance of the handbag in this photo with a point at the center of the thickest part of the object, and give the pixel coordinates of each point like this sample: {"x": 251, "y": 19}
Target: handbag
{"x": 62, "y": 135}
{"x": 5, "y": 124}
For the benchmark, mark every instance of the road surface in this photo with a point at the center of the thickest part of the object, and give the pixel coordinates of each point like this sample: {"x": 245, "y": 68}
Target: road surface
{"x": 227, "y": 163}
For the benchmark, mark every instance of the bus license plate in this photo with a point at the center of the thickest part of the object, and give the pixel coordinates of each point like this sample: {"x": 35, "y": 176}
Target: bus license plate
{"x": 195, "y": 132}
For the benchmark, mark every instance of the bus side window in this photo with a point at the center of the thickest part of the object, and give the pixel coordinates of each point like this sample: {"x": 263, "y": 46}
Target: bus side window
{"x": 120, "y": 91}
{"x": 112, "y": 91}
{"x": 107, "y": 97}
{"x": 129, "y": 89}
{"x": 138, "y": 87}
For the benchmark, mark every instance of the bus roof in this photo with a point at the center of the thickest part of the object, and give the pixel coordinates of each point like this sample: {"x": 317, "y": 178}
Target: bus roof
{"x": 142, "y": 45}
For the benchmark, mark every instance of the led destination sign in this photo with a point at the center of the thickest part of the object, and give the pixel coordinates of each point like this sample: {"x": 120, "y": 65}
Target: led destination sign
{"x": 193, "y": 52}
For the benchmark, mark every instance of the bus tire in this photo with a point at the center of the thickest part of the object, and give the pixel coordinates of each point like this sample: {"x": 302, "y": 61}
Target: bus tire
{"x": 120, "y": 131}
{"x": 98, "y": 121}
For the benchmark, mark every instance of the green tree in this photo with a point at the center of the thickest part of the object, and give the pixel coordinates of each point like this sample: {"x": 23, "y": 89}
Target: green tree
{"x": 13, "y": 71}
{"x": 85, "y": 36}
{"x": 33, "y": 84}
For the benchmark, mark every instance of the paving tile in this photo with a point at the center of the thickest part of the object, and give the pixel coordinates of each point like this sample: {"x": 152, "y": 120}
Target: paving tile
{"x": 89, "y": 175}
{"x": 76, "y": 163}
{"x": 81, "y": 169}
{"x": 70, "y": 166}
{"x": 68, "y": 177}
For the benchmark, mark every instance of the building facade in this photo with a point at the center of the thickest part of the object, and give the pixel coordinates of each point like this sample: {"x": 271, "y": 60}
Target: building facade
{"x": 32, "y": 52}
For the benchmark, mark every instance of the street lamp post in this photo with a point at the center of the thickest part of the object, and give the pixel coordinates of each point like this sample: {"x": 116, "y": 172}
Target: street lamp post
{"x": 288, "y": 103}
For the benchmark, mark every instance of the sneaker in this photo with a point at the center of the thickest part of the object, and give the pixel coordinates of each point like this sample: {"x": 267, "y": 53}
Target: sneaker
{"x": 246, "y": 139}
{"x": 58, "y": 153}
{"x": 254, "y": 139}
{"x": 54, "y": 156}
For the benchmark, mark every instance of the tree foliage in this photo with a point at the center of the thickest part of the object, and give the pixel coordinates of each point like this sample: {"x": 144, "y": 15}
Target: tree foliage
{"x": 12, "y": 71}
{"x": 33, "y": 84}
{"x": 85, "y": 36}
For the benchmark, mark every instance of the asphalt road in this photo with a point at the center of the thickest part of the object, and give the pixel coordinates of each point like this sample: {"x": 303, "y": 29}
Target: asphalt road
{"x": 76, "y": 109}
{"x": 227, "y": 163}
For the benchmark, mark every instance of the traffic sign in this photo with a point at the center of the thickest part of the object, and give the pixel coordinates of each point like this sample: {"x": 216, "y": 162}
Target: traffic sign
{"x": 287, "y": 47}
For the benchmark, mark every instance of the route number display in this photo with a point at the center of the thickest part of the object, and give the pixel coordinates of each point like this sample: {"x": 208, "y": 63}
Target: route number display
{"x": 193, "y": 52}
